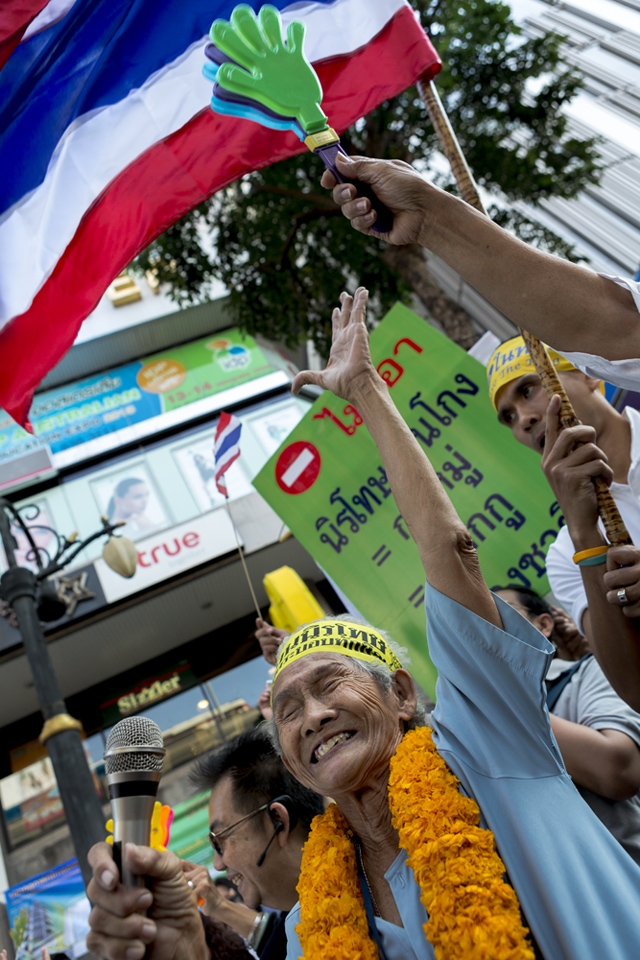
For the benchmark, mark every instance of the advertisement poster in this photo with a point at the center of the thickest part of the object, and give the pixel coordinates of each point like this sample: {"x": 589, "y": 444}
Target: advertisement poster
{"x": 14, "y": 441}
{"x": 129, "y": 496}
{"x": 38, "y": 518}
{"x": 196, "y": 464}
{"x": 327, "y": 484}
{"x": 106, "y": 403}
{"x": 49, "y": 910}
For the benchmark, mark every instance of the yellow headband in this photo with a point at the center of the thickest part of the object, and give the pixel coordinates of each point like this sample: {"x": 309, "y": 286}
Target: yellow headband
{"x": 336, "y": 636}
{"x": 511, "y": 360}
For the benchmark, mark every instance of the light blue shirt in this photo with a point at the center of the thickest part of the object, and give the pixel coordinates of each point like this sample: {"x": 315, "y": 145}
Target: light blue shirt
{"x": 407, "y": 942}
{"x": 578, "y": 889}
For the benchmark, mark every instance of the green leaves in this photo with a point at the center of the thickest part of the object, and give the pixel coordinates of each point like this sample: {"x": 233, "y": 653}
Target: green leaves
{"x": 278, "y": 76}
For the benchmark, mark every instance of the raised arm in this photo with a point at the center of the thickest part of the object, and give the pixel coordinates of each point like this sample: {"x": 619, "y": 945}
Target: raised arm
{"x": 449, "y": 558}
{"x": 570, "y": 461}
{"x": 567, "y": 306}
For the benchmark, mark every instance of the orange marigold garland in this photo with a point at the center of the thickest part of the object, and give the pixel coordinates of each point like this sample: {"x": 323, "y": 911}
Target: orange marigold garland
{"x": 473, "y": 912}
{"x": 333, "y": 920}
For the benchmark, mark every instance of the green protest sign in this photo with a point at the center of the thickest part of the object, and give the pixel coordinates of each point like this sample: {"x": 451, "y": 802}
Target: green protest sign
{"x": 327, "y": 484}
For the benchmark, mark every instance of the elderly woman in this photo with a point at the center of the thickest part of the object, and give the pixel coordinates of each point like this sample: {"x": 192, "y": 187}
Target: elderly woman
{"x": 407, "y": 863}
{"x": 411, "y": 863}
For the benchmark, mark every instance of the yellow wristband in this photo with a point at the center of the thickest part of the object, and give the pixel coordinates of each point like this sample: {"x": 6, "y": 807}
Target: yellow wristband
{"x": 588, "y": 554}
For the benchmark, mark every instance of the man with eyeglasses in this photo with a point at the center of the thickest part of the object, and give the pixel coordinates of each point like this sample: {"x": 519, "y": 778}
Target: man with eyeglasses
{"x": 259, "y": 821}
{"x": 260, "y": 818}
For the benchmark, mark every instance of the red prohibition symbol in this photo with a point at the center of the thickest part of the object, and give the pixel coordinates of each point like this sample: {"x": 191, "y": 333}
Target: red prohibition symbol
{"x": 297, "y": 467}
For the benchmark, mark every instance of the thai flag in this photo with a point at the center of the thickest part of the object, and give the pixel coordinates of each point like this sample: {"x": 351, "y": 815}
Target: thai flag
{"x": 226, "y": 447}
{"x": 107, "y": 138}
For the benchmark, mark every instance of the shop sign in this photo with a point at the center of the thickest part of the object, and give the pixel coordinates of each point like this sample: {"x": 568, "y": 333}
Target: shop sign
{"x": 148, "y": 691}
{"x": 169, "y": 552}
{"x": 129, "y": 398}
{"x": 328, "y": 485}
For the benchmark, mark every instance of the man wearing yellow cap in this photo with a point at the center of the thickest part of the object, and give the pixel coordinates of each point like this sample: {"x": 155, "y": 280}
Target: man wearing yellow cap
{"x": 600, "y": 588}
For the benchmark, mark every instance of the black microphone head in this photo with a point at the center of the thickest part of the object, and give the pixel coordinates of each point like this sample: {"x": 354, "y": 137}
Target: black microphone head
{"x": 134, "y": 745}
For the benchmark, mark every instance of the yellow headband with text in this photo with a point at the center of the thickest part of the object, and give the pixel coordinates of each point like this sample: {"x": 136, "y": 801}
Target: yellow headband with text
{"x": 336, "y": 636}
{"x": 511, "y": 360}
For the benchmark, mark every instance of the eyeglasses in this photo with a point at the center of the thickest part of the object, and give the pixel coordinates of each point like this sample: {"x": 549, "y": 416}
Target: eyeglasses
{"x": 215, "y": 838}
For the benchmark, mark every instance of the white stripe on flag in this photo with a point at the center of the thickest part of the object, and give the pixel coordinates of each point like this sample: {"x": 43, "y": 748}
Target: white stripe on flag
{"x": 298, "y": 466}
{"x": 55, "y": 10}
{"x": 99, "y": 145}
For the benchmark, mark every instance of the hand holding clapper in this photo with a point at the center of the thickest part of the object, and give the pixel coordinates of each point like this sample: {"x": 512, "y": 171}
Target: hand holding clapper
{"x": 260, "y": 77}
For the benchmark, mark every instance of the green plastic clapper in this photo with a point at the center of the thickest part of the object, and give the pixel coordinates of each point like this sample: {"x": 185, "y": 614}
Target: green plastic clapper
{"x": 268, "y": 70}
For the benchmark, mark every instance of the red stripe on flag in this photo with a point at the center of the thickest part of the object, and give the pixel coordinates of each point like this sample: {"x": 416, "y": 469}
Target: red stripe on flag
{"x": 171, "y": 178}
{"x": 15, "y": 17}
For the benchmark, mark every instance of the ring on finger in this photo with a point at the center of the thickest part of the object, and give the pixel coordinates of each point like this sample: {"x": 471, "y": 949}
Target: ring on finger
{"x": 622, "y": 597}
{"x": 190, "y": 884}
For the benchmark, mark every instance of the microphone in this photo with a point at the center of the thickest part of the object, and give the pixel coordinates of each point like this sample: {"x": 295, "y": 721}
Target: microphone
{"x": 278, "y": 826}
{"x": 133, "y": 761}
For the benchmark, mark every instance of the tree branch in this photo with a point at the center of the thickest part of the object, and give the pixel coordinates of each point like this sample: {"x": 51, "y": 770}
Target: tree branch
{"x": 297, "y": 222}
{"x": 320, "y": 200}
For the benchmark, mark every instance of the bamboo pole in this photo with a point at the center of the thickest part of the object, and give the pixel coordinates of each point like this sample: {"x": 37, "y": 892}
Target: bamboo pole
{"x": 613, "y": 523}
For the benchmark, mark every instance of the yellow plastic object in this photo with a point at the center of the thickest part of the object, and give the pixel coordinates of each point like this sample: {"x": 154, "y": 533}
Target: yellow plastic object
{"x": 161, "y": 821}
{"x": 292, "y": 603}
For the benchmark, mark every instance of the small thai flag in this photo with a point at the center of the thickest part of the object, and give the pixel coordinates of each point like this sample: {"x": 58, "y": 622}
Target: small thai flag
{"x": 226, "y": 447}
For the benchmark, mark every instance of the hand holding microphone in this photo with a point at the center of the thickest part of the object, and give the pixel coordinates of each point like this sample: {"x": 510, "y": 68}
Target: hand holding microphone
{"x": 133, "y": 761}
{"x": 170, "y": 930}
{"x": 119, "y": 926}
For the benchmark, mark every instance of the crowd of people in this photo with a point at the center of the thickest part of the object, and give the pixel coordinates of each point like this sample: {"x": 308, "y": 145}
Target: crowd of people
{"x": 506, "y": 822}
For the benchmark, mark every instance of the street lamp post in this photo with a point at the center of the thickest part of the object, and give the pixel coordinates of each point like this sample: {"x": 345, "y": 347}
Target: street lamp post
{"x": 32, "y": 597}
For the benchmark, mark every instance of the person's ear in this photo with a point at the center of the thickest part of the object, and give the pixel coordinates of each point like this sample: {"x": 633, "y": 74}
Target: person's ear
{"x": 593, "y": 383}
{"x": 282, "y": 821}
{"x": 545, "y": 624}
{"x": 405, "y": 692}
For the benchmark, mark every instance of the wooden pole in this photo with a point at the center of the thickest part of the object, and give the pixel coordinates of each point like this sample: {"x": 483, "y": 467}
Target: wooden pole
{"x": 613, "y": 523}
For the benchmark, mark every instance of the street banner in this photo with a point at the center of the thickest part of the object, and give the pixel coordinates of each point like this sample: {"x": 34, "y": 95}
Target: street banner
{"x": 326, "y": 482}
{"x": 67, "y": 416}
{"x": 49, "y": 910}
{"x": 141, "y": 395}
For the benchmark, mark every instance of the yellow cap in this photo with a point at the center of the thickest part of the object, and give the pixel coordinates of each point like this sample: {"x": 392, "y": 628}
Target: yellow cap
{"x": 511, "y": 360}
{"x": 336, "y": 636}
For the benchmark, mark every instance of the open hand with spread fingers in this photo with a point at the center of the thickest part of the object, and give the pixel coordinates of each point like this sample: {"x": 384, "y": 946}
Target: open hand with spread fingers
{"x": 349, "y": 363}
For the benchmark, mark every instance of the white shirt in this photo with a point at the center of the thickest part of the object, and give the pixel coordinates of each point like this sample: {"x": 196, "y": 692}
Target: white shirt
{"x": 564, "y": 575}
{"x": 624, "y": 373}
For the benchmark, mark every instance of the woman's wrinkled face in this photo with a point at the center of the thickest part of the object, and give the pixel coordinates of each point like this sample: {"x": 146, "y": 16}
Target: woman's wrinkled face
{"x": 338, "y": 728}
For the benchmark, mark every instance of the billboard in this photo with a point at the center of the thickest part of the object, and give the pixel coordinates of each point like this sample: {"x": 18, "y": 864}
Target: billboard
{"x": 101, "y": 412}
{"x": 327, "y": 483}
{"x": 49, "y": 910}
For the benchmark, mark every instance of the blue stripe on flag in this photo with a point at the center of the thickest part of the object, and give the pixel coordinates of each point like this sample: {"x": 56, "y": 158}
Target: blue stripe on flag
{"x": 99, "y": 52}
{"x": 229, "y": 441}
